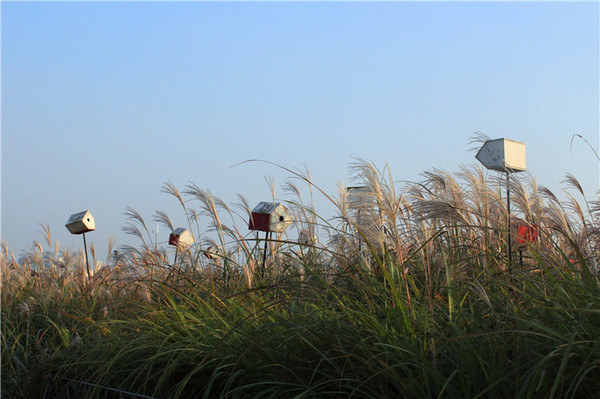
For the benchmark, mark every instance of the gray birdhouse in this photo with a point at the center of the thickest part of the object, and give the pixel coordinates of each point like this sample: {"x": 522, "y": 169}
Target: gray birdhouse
{"x": 306, "y": 238}
{"x": 181, "y": 238}
{"x": 503, "y": 155}
{"x": 359, "y": 195}
{"x": 81, "y": 222}
{"x": 271, "y": 217}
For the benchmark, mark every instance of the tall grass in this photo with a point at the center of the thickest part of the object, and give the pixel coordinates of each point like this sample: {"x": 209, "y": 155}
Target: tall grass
{"x": 407, "y": 293}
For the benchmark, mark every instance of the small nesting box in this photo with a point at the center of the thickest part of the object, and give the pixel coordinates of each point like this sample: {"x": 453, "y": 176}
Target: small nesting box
{"x": 306, "y": 238}
{"x": 181, "y": 238}
{"x": 81, "y": 222}
{"x": 503, "y": 155}
{"x": 212, "y": 252}
{"x": 358, "y": 195}
{"x": 526, "y": 234}
{"x": 271, "y": 217}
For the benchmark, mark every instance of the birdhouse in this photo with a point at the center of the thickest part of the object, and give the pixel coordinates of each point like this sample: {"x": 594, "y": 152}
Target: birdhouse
{"x": 212, "y": 252}
{"x": 503, "y": 155}
{"x": 181, "y": 238}
{"x": 306, "y": 238}
{"x": 526, "y": 234}
{"x": 358, "y": 195}
{"x": 81, "y": 222}
{"x": 269, "y": 217}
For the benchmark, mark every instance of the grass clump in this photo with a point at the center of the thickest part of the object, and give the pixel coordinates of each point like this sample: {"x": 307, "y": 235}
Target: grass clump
{"x": 411, "y": 294}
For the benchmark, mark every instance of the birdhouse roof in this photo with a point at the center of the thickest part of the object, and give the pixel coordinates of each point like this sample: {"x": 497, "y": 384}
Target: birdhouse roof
{"x": 266, "y": 207}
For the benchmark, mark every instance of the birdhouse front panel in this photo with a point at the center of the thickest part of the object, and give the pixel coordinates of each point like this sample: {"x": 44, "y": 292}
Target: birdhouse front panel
{"x": 514, "y": 156}
{"x": 280, "y": 219}
{"x": 81, "y": 222}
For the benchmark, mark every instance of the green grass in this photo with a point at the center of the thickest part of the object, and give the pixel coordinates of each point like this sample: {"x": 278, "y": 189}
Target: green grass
{"x": 427, "y": 307}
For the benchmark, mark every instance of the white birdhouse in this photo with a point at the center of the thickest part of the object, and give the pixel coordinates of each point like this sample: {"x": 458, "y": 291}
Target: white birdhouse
{"x": 269, "y": 217}
{"x": 181, "y": 238}
{"x": 81, "y": 222}
{"x": 503, "y": 155}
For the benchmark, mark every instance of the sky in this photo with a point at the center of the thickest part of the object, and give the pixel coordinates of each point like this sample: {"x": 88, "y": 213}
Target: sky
{"x": 104, "y": 102}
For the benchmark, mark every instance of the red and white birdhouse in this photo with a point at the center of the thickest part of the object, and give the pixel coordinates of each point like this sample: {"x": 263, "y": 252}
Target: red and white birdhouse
{"x": 271, "y": 217}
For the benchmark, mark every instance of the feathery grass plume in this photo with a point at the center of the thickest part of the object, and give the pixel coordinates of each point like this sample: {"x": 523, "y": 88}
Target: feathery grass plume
{"x": 169, "y": 188}
{"x": 441, "y": 211}
{"x": 134, "y": 218}
{"x": 477, "y": 140}
{"x": 367, "y": 205}
{"x": 339, "y": 237}
{"x": 271, "y": 184}
{"x": 548, "y": 194}
{"x": 481, "y": 202}
{"x": 47, "y": 235}
{"x": 209, "y": 207}
{"x": 244, "y": 206}
{"x": 557, "y": 219}
{"x": 134, "y": 231}
{"x": 571, "y": 181}
{"x": 7, "y": 256}
{"x": 162, "y": 218}
{"x": 576, "y": 214}
{"x": 93, "y": 252}
{"x": 110, "y": 244}
{"x": 306, "y": 218}
{"x": 69, "y": 258}
{"x": 303, "y": 215}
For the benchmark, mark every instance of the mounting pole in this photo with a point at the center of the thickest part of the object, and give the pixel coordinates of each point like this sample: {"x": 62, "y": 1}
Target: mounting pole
{"x": 508, "y": 209}
{"x": 87, "y": 263}
{"x": 262, "y": 271}
{"x": 508, "y": 156}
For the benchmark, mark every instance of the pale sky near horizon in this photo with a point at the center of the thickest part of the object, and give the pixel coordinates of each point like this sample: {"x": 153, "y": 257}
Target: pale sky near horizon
{"x": 103, "y": 102}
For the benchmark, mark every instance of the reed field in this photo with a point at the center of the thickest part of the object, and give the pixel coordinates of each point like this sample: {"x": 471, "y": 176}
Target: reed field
{"x": 408, "y": 292}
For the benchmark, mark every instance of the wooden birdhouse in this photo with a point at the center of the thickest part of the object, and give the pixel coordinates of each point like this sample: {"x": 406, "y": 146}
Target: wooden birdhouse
{"x": 181, "y": 238}
{"x": 81, "y": 222}
{"x": 271, "y": 217}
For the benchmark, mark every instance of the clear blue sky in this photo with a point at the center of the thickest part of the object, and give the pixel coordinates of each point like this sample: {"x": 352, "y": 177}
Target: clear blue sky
{"x": 102, "y": 102}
